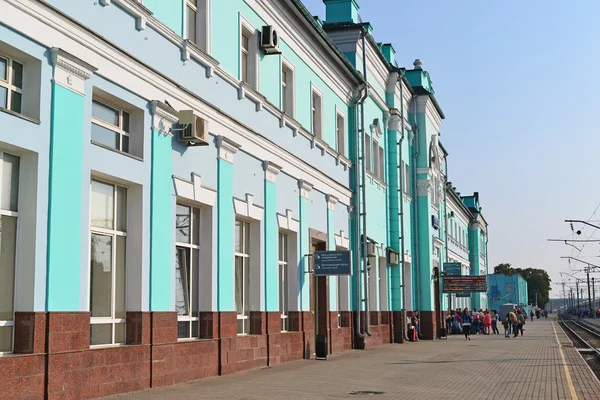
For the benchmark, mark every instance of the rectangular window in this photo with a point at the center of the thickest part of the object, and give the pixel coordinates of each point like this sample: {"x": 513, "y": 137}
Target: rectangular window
{"x": 9, "y": 187}
{"x": 340, "y": 133}
{"x": 376, "y": 159}
{"x": 11, "y": 84}
{"x": 110, "y": 126}
{"x": 406, "y": 182}
{"x": 283, "y": 281}
{"x": 242, "y": 276}
{"x": 381, "y": 164}
{"x": 367, "y": 154}
{"x": 287, "y": 89}
{"x": 249, "y": 55}
{"x": 317, "y": 114}
{"x": 187, "y": 270}
{"x": 108, "y": 225}
{"x": 192, "y": 20}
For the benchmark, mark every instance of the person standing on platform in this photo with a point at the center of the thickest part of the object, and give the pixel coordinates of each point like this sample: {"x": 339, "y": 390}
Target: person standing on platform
{"x": 495, "y": 319}
{"x": 531, "y": 314}
{"x": 487, "y": 322}
{"x": 475, "y": 321}
{"x": 506, "y": 325}
{"x": 512, "y": 317}
{"x": 520, "y": 321}
{"x": 466, "y": 323}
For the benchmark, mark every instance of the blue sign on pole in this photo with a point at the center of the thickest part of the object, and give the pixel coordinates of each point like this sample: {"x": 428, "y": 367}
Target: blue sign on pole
{"x": 453, "y": 269}
{"x": 333, "y": 263}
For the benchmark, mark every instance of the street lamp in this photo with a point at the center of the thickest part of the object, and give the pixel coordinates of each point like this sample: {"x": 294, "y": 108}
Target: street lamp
{"x": 536, "y": 291}
{"x": 594, "y": 296}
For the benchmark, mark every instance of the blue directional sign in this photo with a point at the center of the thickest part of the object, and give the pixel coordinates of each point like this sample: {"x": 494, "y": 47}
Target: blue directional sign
{"x": 333, "y": 263}
{"x": 453, "y": 269}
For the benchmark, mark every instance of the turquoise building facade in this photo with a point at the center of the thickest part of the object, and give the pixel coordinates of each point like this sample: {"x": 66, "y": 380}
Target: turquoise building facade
{"x": 507, "y": 289}
{"x": 169, "y": 171}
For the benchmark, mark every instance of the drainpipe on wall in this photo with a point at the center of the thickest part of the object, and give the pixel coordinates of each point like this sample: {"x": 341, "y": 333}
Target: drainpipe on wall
{"x": 364, "y": 188}
{"x": 416, "y": 200}
{"x": 446, "y": 223}
{"x": 400, "y": 175}
{"x": 361, "y": 96}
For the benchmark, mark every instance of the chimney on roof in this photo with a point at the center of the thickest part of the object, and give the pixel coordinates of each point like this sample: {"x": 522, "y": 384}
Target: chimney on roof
{"x": 338, "y": 11}
{"x": 418, "y": 64}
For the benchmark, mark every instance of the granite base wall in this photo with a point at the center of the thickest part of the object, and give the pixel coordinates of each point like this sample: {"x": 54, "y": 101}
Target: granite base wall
{"x": 53, "y": 360}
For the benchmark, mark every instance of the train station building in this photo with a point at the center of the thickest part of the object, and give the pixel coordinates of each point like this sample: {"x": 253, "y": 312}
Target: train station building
{"x": 168, "y": 173}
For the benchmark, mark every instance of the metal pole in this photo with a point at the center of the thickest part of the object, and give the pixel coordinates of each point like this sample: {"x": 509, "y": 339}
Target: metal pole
{"x": 577, "y": 290}
{"x": 594, "y": 296}
{"x": 589, "y": 289}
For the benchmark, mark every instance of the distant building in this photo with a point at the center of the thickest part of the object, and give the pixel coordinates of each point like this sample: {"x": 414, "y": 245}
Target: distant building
{"x": 507, "y": 289}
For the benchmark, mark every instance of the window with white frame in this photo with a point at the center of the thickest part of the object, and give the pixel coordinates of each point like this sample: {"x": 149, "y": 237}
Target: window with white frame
{"x": 108, "y": 226}
{"x": 283, "y": 281}
{"x": 383, "y": 284}
{"x": 376, "y": 158}
{"x": 249, "y": 55}
{"x": 110, "y": 126}
{"x": 288, "y": 89}
{"x": 11, "y": 84}
{"x": 9, "y": 195}
{"x": 242, "y": 276}
{"x": 340, "y": 133}
{"x": 381, "y": 163}
{"x": 406, "y": 178}
{"x": 187, "y": 270}
{"x": 198, "y": 23}
{"x": 367, "y": 155}
{"x": 317, "y": 113}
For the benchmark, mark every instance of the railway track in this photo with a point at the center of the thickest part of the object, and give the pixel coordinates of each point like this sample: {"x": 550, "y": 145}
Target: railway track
{"x": 586, "y": 337}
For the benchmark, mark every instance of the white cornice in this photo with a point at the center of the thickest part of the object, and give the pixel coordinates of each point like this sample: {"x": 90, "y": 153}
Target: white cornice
{"x": 425, "y": 106}
{"x": 271, "y": 171}
{"x": 287, "y": 222}
{"x": 331, "y": 202}
{"x": 305, "y": 188}
{"x": 247, "y": 208}
{"x": 135, "y": 8}
{"x": 227, "y": 148}
{"x": 51, "y": 28}
{"x": 69, "y": 71}
{"x": 194, "y": 191}
{"x": 163, "y": 117}
{"x": 341, "y": 240}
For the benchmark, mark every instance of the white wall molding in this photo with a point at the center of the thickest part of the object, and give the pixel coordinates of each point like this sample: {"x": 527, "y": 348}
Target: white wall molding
{"x": 163, "y": 117}
{"x": 69, "y": 71}
{"x": 341, "y": 240}
{"x": 271, "y": 171}
{"x": 194, "y": 191}
{"x": 287, "y": 222}
{"x": 135, "y": 8}
{"x": 227, "y": 148}
{"x": 423, "y": 187}
{"x": 331, "y": 202}
{"x": 247, "y": 208}
{"x": 305, "y": 188}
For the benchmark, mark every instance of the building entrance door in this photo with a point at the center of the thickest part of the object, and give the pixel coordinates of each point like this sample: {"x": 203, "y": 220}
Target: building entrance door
{"x": 318, "y": 296}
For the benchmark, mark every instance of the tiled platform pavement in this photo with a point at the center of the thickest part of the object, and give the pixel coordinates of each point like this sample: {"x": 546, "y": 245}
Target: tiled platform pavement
{"x": 487, "y": 367}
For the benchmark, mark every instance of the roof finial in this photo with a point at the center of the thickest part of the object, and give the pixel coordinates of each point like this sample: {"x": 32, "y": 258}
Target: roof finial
{"x": 418, "y": 64}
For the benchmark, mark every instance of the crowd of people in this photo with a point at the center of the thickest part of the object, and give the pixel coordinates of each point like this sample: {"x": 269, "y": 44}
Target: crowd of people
{"x": 480, "y": 322}
{"x": 485, "y": 322}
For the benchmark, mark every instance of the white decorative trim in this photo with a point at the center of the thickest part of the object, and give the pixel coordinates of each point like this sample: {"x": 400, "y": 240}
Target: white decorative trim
{"x": 135, "y": 8}
{"x": 227, "y": 148}
{"x": 331, "y": 202}
{"x": 424, "y": 105}
{"x": 305, "y": 188}
{"x": 193, "y": 190}
{"x": 247, "y": 208}
{"x": 341, "y": 240}
{"x": 271, "y": 171}
{"x": 407, "y": 258}
{"x": 163, "y": 117}
{"x": 375, "y": 128}
{"x": 350, "y": 210}
{"x": 69, "y": 71}
{"x": 423, "y": 187}
{"x": 288, "y": 223}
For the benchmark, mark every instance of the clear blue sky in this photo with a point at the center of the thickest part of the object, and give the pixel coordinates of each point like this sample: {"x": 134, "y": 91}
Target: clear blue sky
{"x": 519, "y": 82}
